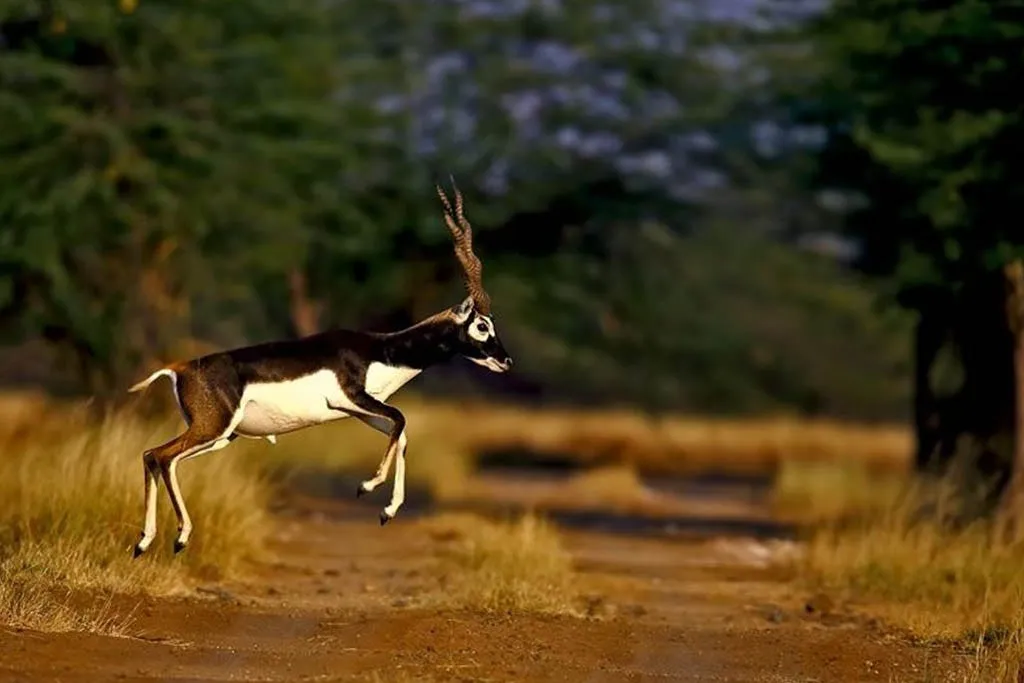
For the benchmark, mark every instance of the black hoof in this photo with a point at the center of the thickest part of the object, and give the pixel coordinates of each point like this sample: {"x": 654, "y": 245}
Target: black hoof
{"x": 178, "y": 547}
{"x": 137, "y": 551}
{"x": 360, "y": 491}
{"x": 384, "y": 518}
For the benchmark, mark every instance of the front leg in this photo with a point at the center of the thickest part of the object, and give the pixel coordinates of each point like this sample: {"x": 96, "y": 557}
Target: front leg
{"x": 384, "y": 427}
{"x": 378, "y": 414}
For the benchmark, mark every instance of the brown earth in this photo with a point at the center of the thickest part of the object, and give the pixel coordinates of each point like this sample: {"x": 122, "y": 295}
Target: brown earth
{"x": 346, "y": 600}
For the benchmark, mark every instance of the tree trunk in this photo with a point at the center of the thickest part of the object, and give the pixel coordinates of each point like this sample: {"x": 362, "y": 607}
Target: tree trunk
{"x": 305, "y": 311}
{"x": 928, "y": 339}
{"x": 1012, "y": 508}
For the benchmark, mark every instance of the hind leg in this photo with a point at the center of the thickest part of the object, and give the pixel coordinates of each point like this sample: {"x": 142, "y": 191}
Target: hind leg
{"x": 170, "y": 473}
{"x": 213, "y": 432}
{"x": 150, "y": 471}
{"x": 158, "y": 460}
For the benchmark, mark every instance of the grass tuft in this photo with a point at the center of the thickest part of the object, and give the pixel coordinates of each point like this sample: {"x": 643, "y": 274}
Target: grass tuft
{"x": 920, "y": 556}
{"x": 614, "y": 487}
{"x": 24, "y": 603}
{"x": 507, "y": 566}
{"x": 71, "y": 504}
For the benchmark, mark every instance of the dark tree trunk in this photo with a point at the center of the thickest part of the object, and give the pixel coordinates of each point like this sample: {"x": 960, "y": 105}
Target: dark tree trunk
{"x": 305, "y": 312}
{"x": 965, "y": 421}
{"x": 985, "y": 402}
{"x": 1012, "y": 509}
{"x": 929, "y": 337}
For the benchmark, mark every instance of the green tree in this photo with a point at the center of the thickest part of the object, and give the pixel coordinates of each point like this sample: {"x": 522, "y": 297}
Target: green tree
{"x": 242, "y": 171}
{"x": 154, "y": 155}
{"x": 924, "y": 121}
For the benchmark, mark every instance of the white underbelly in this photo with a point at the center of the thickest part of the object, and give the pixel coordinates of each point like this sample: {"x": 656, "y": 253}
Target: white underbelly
{"x": 271, "y": 408}
{"x": 263, "y": 419}
{"x": 281, "y": 407}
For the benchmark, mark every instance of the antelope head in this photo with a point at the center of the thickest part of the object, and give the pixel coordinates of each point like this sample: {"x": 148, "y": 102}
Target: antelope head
{"x": 477, "y": 337}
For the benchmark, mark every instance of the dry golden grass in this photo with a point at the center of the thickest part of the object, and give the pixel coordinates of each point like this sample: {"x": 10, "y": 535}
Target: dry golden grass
{"x": 994, "y": 660}
{"x": 828, "y": 492}
{"x": 904, "y": 551}
{"x": 436, "y": 461}
{"x": 26, "y": 604}
{"x": 453, "y": 433}
{"x": 510, "y": 566}
{"x": 71, "y": 504}
{"x": 675, "y": 445}
{"x": 445, "y": 437}
{"x": 615, "y": 487}
{"x": 71, "y": 492}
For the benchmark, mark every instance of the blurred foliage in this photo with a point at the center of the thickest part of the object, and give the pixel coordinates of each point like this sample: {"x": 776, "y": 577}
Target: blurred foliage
{"x": 726, "y": 320}
{"x": 923, "y": 126}
{"x": 152, "y": 157}
{"x": 633, "y": 172}
{"x": 920, "y": 100}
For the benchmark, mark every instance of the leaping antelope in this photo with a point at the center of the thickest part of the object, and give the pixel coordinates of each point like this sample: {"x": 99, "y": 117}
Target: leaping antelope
{"x": 277, "y": 387}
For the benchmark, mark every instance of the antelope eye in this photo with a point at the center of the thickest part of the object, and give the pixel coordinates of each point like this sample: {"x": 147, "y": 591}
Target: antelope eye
{"x": 481, "y": 328}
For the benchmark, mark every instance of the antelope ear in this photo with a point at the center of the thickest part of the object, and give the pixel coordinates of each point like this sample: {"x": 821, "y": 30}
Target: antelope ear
{"x": 463, "y": 310}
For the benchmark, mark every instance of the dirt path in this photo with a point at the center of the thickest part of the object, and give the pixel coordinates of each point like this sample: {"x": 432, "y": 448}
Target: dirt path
{"x": 343, "y": 603}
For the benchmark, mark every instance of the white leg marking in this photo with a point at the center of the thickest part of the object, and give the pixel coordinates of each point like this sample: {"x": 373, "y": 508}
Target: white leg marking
{"x": 382, "y": 425}
{"x": 185, "y": 522}
{"x": 398, "y": 492}
{"x": 149, "y": 528}
{"x": 382, "y": 472}
{"x": 174, "y": 488}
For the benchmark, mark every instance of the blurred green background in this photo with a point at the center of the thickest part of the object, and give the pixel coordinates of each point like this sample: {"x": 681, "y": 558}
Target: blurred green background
{"x": 721, "y": 206}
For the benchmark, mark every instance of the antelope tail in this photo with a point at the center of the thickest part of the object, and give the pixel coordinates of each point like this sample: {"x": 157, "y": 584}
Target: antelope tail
{"x": 152, "y": 378}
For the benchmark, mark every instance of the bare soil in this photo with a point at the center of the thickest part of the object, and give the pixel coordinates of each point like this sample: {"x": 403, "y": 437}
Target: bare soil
{"x": 346, "y": 600}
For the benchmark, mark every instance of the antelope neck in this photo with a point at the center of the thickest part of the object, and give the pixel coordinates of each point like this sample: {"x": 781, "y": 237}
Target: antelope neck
{"x": 428, "y": 342}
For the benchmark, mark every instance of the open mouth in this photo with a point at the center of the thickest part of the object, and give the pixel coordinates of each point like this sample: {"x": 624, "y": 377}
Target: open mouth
{"x": 496, "y": 365}
{"x": 493, "y": 364}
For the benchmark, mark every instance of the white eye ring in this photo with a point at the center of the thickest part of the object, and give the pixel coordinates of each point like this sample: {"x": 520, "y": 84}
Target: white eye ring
{"x": 480, "y": 330}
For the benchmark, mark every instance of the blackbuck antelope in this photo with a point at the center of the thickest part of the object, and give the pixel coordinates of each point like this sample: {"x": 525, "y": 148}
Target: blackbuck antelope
{"x": 281, "y": 386}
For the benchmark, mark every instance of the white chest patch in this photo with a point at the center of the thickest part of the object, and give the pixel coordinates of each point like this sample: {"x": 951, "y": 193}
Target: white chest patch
{"x": 382, "y": 381}
{"x": 280, "y": 407}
